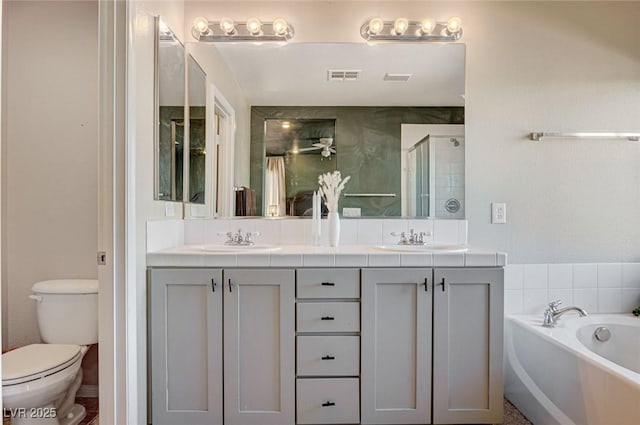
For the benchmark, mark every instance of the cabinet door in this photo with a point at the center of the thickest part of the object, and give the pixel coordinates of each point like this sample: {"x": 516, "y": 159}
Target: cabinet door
{"x": 185, "y": 348}
{"x": 259, "y": 334}
{"x": 396, "y": 346}
{"x": 467, "y": 346}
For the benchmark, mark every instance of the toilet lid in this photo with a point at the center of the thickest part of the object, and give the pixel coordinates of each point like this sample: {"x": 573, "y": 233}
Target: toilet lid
{"x": 36, "y": 361}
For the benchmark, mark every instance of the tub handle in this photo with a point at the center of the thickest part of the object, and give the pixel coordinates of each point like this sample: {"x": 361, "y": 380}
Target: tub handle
{"x": 36, "y": 297}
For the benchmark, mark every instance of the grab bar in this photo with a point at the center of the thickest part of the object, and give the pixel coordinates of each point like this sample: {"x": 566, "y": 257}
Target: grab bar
{"x": 537, "y": 136}
{"x": 370, "y": 195}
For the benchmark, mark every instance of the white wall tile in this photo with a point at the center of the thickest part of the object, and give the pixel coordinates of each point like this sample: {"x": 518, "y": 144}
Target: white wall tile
{"x": 564, "y": 295}
{"x": 194, "y": 232}
{"x": 269, "y": 231}
{"x": 213, "y": 227}
{"x": 609, "y": 300}
{"x": 463, "y": 232}
{"x": 163, "y": 234}
{"x": 369, "y": 232}
{"x": 587, "y": 299}
{"x": 585, "y": 276}
{"x": 610, "y": 275}
{"x": 513, "y": 276}
{"x": 445, "y": 231}
{"x": 560, "y": 276}
{"x": 422, "y": 225}
{"x": 535, "y": 301}
{"x": 348, "y": 232}
{"x": 394, "y": 226}
{"x": 535, "y": 276}
{"x": 513, "y": 303}
{"x": 630, "y": 300}
{"x": 294, "y": 232}
{"x": 631, "y": 275}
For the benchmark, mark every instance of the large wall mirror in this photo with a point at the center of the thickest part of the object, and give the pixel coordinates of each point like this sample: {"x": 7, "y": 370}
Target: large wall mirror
{"x": 170, "y": 122}
{"x": 390, "y": 115}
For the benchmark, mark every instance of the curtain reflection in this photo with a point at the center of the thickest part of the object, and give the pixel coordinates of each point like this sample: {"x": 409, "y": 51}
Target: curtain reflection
{"x": 275, "y": 189}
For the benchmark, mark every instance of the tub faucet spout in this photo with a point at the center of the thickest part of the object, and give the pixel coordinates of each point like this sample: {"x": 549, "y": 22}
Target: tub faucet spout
{"x": 553, "y": 313}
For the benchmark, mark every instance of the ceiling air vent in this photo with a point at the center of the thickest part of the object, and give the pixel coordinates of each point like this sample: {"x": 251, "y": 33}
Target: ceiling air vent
{"x": 343, "y": 74}
{"x": 396, "y": 77}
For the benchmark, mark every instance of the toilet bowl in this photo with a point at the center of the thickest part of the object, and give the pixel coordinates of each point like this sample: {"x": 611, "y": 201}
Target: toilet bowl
{"x": 40, "y": 381}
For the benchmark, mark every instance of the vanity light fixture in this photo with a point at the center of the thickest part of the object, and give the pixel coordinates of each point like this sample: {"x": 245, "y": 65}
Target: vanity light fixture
{"x": 252, "y": 30}
{"x": 403, "y": 29}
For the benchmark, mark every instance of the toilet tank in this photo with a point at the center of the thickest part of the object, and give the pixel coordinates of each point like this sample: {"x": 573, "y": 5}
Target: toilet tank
{"x": 67, "y": 311}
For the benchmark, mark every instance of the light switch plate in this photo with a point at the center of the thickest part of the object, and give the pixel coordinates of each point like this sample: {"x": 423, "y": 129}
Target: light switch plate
{"x": 498, "y": 213}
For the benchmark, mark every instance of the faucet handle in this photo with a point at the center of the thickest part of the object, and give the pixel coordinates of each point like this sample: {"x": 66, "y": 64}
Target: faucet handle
{"x": 553, "y": 305}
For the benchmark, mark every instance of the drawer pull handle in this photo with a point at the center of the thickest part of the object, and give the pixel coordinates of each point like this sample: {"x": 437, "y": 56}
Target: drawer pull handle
{"x": 328, "y": 404}
{"x": 328, "y": 284}
{"x": 327, "y": 318}
{"x": 442, "y": 283}
{"x": 426, "y": 285}
{"x": 328, "y": 358}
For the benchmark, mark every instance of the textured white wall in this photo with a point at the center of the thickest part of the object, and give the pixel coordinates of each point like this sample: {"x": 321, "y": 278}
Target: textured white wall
{"x": 531, "y": 66}
{"x": 50, "y": 145}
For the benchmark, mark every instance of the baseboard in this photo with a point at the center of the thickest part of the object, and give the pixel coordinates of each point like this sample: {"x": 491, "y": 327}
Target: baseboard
{"x": 88, "y": 391}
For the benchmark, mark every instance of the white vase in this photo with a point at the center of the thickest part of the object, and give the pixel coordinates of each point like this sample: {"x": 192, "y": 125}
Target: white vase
{"x": 334, "y": 228}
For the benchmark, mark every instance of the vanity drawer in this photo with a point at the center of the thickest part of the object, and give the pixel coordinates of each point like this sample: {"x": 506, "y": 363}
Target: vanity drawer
{"x": 328, "y": 283}
{"x": 328, "y": 401}
{"x": 328, "y": 317}
{"x": 328, "y": 355}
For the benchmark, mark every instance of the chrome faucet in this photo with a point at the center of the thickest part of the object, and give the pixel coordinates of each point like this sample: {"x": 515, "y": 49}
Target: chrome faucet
{"x": 553, "y": 313}
{"x": 239, "y": 238}
{"x": 413, "y": 239}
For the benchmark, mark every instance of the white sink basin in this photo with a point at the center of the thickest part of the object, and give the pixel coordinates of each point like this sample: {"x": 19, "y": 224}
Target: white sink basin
{"x": 423, "y": 248}
{"x": 239, "y": 248}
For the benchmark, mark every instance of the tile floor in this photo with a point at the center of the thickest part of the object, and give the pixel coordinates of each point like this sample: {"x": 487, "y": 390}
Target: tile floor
{"x": 512, "y": 416}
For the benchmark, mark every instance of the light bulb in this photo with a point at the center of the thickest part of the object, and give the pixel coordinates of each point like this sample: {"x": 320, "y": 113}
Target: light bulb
{"x": 400, "y": 26}
{"x": 201, "y": 25}
{"x": 280, "y": 26}
{"x": 427, "y": 26}
{"x": 254, "y": 26}
{"x": 286, "y": 124}
{"x": 454, "y": 25}
{"x": 227, "y": 26}
{"x": 375, "y": 26}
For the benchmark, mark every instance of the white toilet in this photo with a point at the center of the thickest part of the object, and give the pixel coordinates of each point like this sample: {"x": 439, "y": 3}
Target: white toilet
{"x": 40, "y": 381}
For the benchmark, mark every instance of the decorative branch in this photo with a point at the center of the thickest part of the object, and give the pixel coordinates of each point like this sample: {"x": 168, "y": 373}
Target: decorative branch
{"x": 331, "y": 185}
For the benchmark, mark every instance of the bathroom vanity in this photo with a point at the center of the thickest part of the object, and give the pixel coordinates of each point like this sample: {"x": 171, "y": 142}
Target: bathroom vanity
{"x": 319, "y": 335}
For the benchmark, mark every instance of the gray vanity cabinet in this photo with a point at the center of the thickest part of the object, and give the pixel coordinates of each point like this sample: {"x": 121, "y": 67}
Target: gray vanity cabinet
{"x": 396, "y": 346}
{"x": 259, "y": 347}
{"x": 187, "y": 339}
{"x": 467, "y": 346}
{"x": 185, "y": 346}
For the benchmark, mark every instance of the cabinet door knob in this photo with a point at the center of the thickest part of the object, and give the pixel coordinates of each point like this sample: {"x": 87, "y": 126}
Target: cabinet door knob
{"x": 327, "y": 318}
{"x": 328, "y": 284}
{"x": 213, "y": 285}
{"x": 328, "y": 404}
{"x": 328, "y": 358}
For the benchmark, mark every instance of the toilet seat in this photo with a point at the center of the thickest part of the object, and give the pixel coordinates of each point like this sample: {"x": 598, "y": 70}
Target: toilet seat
{"x": 37, "y": 361}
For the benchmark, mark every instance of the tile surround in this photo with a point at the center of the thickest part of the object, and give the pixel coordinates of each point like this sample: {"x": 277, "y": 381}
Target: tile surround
{"x": 597, "y": 287}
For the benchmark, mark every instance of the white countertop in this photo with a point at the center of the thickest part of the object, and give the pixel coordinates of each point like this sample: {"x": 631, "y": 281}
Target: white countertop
{"x": 323, "y": 256}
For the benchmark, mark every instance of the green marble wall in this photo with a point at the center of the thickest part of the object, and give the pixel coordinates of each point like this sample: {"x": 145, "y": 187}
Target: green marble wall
{"x": 367, "y": 143}
{"x": 165, "y": 144}
{"x": 197, "y": 157}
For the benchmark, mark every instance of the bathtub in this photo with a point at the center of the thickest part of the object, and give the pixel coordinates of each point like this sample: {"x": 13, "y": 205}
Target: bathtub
{"x": 563, "y": 375}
